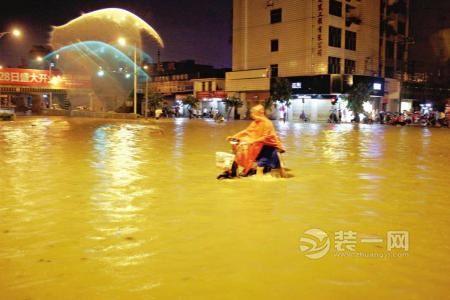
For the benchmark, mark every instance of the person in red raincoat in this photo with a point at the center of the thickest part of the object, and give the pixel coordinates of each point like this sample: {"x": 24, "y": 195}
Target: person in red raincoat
{"x": 260, "y": 136}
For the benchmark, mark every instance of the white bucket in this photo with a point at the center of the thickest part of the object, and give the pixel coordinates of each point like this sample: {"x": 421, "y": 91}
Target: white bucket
{"x": 224, "y": 160}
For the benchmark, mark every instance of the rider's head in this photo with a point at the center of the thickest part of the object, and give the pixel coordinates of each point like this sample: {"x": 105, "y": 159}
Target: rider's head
{"x": 257, "y": 111}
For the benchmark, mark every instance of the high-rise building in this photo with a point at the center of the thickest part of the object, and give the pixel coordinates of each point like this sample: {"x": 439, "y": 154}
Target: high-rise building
{"x": 323, "y": 47}
{"x": 395, "y": 41}
{"x": 428, "y": 78}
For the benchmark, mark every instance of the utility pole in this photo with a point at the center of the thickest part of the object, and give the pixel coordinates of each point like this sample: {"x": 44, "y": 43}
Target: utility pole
{"x": 406, "y": 41}
{"x": 146, "y": 98}
{"x": 135, "y": 82}
{"x": 50, "y": 100}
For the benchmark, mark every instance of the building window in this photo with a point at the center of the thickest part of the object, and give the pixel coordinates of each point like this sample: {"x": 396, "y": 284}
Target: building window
{"x": 350, "y": 40}
{"x": 334, "y": 65}
{"x": 401, "y": 27}
{"x": 348, "y": 8}
{"x": 389, "y": 72}
{"x": 350, "y": 66}
{"x": 335, "y": 8}
{"x": 389, "y": 50}
{"x": 275, "y": 16}
{"x": 274, "y": 70}
{"x": 400, "y": 51}
{"x": 274, "y": 45}
{"x": 334, "y": 37}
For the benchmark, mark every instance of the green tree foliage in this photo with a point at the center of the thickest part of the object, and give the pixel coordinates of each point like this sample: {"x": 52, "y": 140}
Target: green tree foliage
{"x": 191, "y": 101}
{"x": 268, "y": 103}
{"x": 356, "y": 98}
{"x": 281, "y": 91}
{"x": 233, "y": 102}
{"x": 155, "y": 100}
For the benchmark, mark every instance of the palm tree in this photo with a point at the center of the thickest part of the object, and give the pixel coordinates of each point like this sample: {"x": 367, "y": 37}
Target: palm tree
{"x": 154, "y": 101}
{"x": 191, "y": 101}
{"x": 281, "y": 91}
{"x": 233, "y": 102}
{"x": 356, "y": 98}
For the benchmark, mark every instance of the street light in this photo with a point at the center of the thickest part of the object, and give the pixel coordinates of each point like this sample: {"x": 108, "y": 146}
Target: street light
{"x": 15, "y": 32}
{"x": 100, "y": 73}
{"x": 406, "y": 41}
{"x": 122, "y": 41}
{"x": 50, "y": 66}
{"x": 53, "y": 82}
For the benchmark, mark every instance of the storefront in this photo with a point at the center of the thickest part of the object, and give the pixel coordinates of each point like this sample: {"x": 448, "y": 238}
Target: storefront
{"x": 32, "y": 90}
{"x": 317, "y": 97}
{"x": 212, "y": 102}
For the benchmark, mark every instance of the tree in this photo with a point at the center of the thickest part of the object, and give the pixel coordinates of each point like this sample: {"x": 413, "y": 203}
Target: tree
{"x": 233, "y": 102}
{"x": 154, "y": 101}
{"x": 268, "y": 103}
{"x": 281, "y": 91}
{"x": 191, "y": 101}
{"x": 356, "y": 98}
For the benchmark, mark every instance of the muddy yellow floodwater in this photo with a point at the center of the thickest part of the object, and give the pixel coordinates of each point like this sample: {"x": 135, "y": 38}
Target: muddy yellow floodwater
{"x": 98, "y": 209}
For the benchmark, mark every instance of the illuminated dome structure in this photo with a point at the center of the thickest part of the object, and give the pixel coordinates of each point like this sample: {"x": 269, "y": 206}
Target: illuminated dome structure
{"x": 101, "y": 50}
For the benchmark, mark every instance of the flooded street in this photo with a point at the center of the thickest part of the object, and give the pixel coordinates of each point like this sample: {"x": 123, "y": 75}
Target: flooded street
{"x": 101, "y": 209}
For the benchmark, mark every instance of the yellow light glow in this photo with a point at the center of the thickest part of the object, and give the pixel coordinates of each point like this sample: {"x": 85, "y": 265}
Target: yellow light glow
{"x": 39, "y": 58}
{"x": 55, "y": 80}
{"x": 16, "y": 32}
{"x": 367, "y": 107}
{"x": 122, "y": 41}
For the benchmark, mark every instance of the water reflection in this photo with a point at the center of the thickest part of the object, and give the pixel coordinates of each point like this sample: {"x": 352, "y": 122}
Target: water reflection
{"x": 117, "y": 197}
{"x": 129, "y": 212}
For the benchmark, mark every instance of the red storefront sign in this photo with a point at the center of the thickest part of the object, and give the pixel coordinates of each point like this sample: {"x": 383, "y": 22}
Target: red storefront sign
{"x": 212, "y": 94}
{"x": 42, "y": 79}
{"x": 25, "y": 77}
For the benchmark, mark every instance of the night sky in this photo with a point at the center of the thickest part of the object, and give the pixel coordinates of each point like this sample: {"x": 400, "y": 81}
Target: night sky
{"x": 191, "y": 29}
{"x": 199, "y": 30}
{"x": 428, "y": 17}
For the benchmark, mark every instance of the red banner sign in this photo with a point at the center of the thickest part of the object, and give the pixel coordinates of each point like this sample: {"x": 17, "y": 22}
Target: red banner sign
{"x": 212, "y": 94}
{"x": 42, "y": 79}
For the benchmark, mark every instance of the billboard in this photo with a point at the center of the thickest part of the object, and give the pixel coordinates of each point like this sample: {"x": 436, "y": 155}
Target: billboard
{"x": 42, "y": 79}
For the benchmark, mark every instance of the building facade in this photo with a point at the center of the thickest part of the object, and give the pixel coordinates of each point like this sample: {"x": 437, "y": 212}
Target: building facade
{"x": 177, "y": 80}
{"x": 394, "y": 45}
{"x": 428, "y": 77}
{"x": 323, "y": 47}
{"x": 35, "y": 90}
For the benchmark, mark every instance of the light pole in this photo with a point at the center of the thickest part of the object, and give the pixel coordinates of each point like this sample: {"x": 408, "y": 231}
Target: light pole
{"x": 14, "y": 32}
{"x": 146, "y": 93}
{"x": 406, "y": 41}
{"x": 123, "y": 42}
{"x": 135, "y": 82}
{"x": 50, "y": 99}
